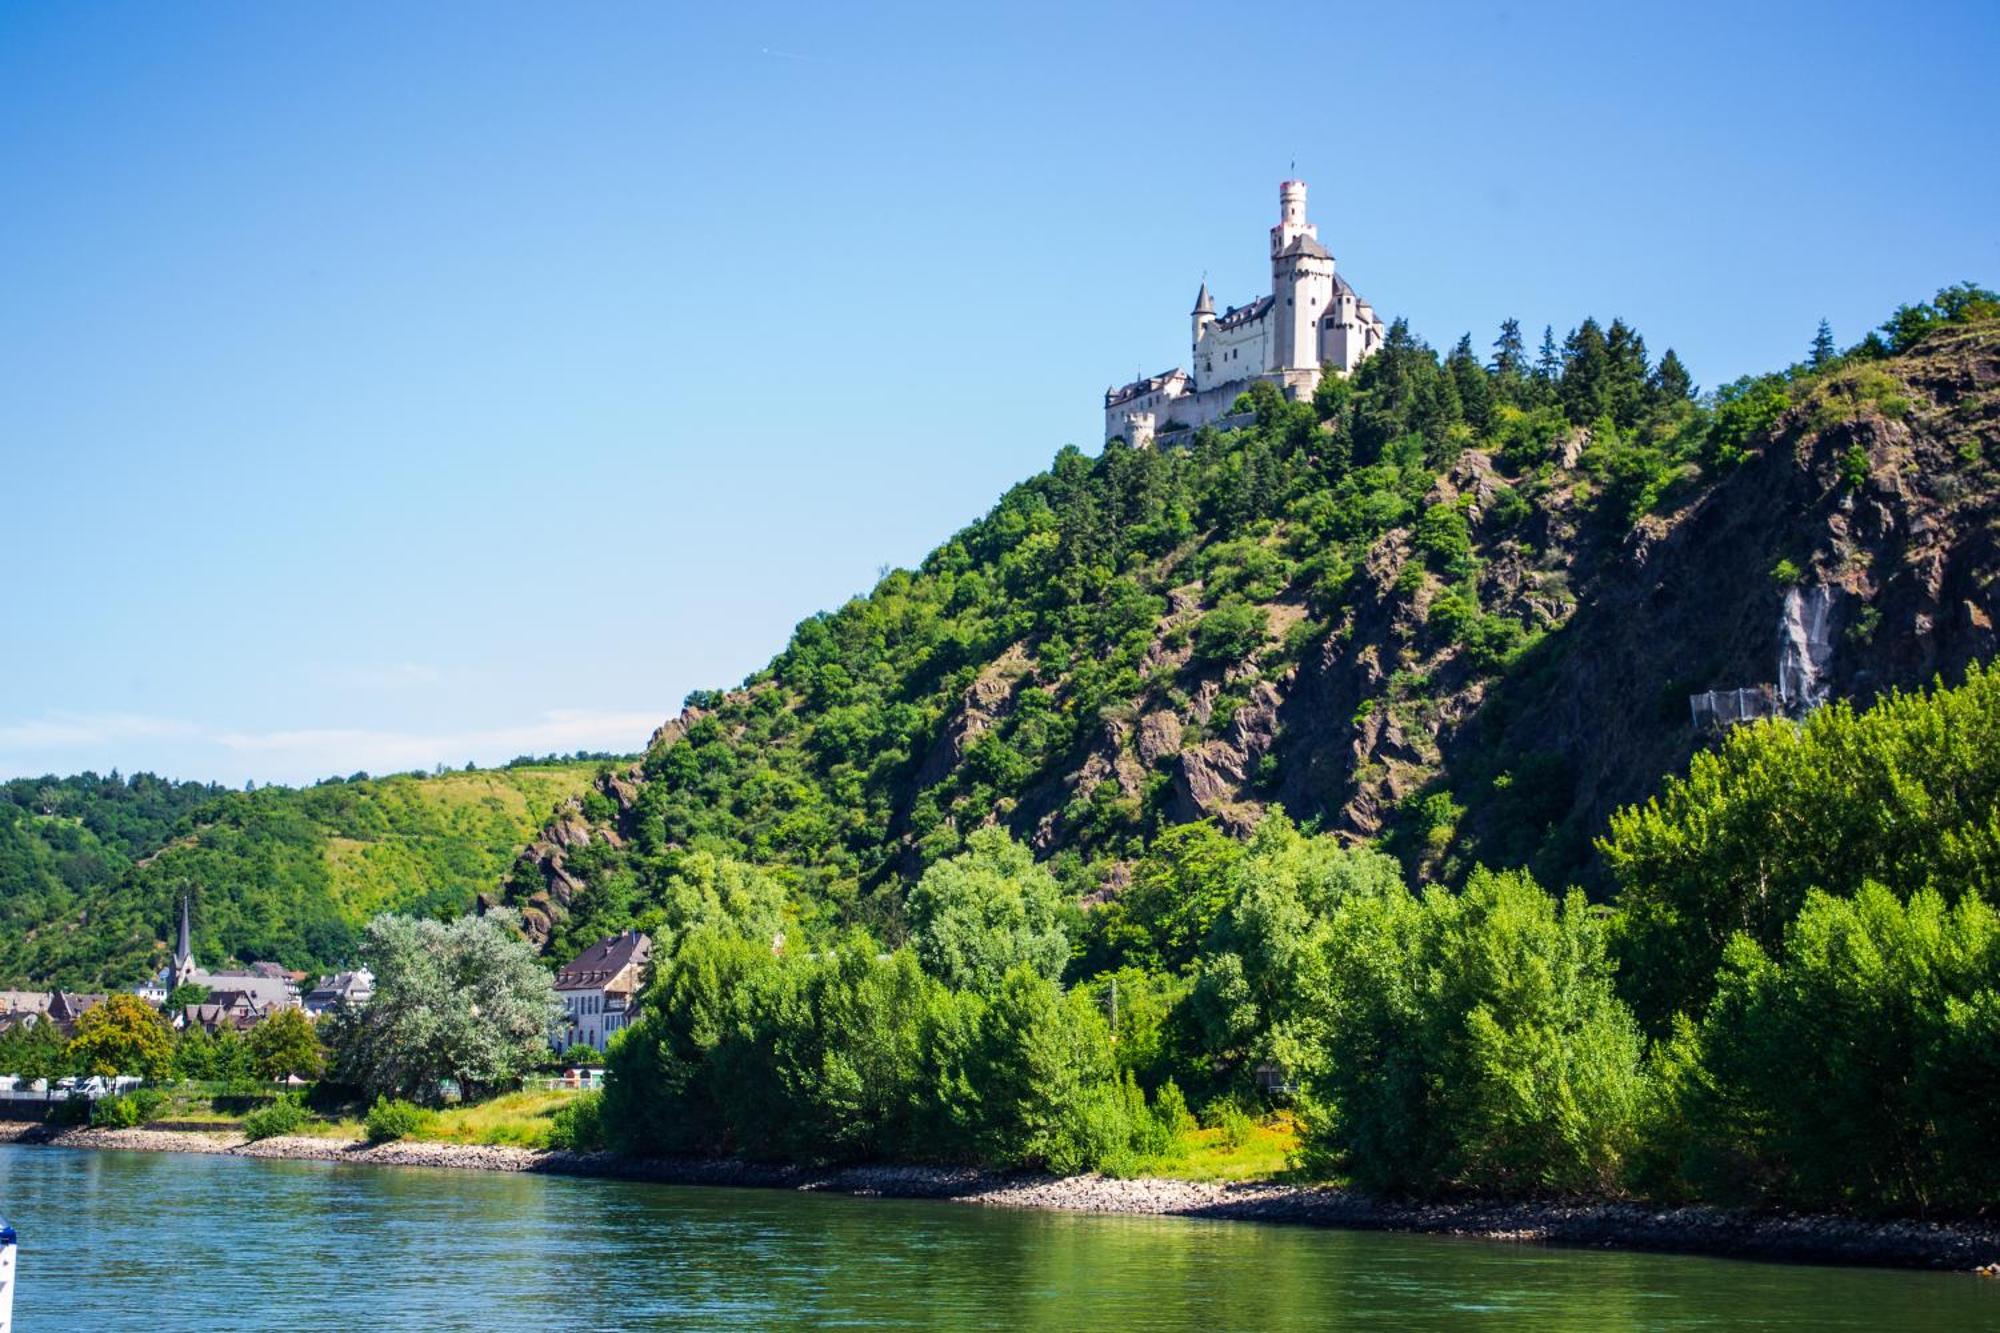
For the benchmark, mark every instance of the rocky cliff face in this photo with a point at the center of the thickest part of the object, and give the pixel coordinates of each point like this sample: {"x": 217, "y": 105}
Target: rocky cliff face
{"x": 1856, "y": 539}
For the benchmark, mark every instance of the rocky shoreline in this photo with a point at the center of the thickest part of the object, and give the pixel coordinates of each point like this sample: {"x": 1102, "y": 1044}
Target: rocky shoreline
{"x": 1964, "y": 1246}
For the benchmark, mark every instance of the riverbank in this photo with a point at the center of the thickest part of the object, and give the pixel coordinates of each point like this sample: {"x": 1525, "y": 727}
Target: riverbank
{"x": 1787, "y": 1237}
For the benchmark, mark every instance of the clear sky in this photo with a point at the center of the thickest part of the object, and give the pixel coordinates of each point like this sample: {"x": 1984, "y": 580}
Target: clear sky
{"x": 388, "y": 384}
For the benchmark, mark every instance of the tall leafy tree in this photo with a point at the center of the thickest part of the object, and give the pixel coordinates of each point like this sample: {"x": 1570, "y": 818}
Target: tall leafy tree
{"x": 124, "y": 1035}
{"x": 285, "y": 1045}
{"x": 1474, "y": 1042}
{"x": 465, "y": 1002}
{"x": 1823, "y": 350}
{"x": 1856, "y": 1068}
{"x": 34, "y": 1050}
{"x": 1902, "y": 794}
{"x": 976, "y": 915}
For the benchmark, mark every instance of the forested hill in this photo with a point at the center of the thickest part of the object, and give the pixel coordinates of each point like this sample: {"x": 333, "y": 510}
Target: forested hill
{"x": 1457, "y": 604}
{"x": 90, "y": 866}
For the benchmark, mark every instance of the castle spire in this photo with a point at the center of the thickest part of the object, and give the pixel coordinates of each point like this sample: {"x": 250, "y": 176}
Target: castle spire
{"x": 1204, "y": 304}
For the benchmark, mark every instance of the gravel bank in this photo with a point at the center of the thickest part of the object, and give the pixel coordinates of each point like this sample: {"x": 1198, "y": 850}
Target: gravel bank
{"x": 1792, "y": 1237}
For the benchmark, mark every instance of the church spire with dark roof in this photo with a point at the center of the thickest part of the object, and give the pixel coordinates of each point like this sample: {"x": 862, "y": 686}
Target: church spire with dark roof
{"x": 184, "y": 948}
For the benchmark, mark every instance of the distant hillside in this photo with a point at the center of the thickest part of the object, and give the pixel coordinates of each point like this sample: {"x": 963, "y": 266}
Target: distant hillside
{"x": 1456, "y": 604}
{"x": 89, "y": 867}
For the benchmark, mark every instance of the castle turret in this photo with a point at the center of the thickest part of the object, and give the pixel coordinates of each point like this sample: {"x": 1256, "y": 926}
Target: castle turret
{"x": 1204, "y": 313}
{"x": 1292, "y": 222}
{"x": 1301, "y": 288}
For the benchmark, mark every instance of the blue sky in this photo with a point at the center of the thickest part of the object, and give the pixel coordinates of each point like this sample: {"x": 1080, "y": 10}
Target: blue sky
{"x": 385, "y": 385}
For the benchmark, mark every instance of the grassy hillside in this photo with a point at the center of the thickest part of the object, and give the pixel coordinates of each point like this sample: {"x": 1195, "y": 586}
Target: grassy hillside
{"x": 1455, "y": 606}
{"x": 87, "y": 884}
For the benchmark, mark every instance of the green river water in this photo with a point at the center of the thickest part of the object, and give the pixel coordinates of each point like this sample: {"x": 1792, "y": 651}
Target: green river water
{"x": 175, "y": 1241}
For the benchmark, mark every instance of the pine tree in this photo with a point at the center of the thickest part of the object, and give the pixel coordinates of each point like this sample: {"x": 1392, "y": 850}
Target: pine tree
{"x": 1548, "y": 365}
{"x": 1509, "y": 365}
{"x": 1510, "y": 356}
{"x": 1625, "y": 379}
{"x": 1475, "y": 391}
{"x": 1822, "y": 346}
{"x": 1671, "y": 382}
{"x": 1586, "y": 374}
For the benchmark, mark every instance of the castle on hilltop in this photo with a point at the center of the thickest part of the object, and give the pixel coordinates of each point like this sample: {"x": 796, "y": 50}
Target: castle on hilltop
{"x": 1312, "y": 322}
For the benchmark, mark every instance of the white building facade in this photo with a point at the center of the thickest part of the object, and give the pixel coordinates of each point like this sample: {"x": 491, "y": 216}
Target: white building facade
{"x": 600, "y": 990}
{"x": 1312, "y": 322}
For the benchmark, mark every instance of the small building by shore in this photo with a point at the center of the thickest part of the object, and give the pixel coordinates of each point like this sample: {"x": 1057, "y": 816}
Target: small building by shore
{"x": 600, "y": 990}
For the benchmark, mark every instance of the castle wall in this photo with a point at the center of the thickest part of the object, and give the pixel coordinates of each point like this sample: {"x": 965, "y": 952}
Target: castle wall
{"x": 1189, "y": 409}
{"x": 1226, "y": 356}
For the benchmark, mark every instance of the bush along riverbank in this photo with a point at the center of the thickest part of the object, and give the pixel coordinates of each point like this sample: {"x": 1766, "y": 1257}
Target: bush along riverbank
{"x": 1791, "y": 1237}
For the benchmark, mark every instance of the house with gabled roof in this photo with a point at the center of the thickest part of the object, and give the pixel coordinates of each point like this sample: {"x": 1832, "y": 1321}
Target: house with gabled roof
{"x": 601, "y": 988}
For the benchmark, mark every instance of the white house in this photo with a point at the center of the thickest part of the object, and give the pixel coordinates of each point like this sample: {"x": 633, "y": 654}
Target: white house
{"x": 600, "y": 989}
{"x": 1313, "y": 321}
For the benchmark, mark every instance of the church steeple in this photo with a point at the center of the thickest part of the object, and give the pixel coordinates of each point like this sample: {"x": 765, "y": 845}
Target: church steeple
{"x": 184, "y": 948}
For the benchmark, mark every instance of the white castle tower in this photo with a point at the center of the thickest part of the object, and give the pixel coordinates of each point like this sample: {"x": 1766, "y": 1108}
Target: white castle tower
{"x": 1312, "y": 322}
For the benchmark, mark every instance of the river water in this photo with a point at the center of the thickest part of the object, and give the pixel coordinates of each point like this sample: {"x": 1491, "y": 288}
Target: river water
{"x": 170, "y": 1241}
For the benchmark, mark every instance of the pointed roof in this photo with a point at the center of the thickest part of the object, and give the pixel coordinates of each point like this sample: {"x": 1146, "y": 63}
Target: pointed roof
{"x": 1203, "y": 304}
{"x": 185, "y": 948}
{"x": 604, "y": 960}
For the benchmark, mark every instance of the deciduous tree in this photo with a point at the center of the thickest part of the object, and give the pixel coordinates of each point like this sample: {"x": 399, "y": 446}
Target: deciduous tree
{"x": 124, "y": 1035}
{"x": 465, "y": 1002}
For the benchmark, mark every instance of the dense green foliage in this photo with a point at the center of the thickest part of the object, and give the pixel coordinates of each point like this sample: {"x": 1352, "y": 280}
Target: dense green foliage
{"x": 127, "y": 1110}
{"x": 286, "y": 1115}
{"x": 460, "y": 1008}
{"x": 1906, "y": 794}
{"x": 391, "y": 1119}
{"x": 1860, "y": 1068}
{"x": 850, "y": 1055}
{"x": 90, "y": 868}
{"x": 124, "y": 1035}
{"x": 1436, "y": 1041}
{"x": 975, "y": 917}
{"x": 286, "y": 1045}
{"x": 579, "y": 1126}
{"x": 1475, "y": 1042}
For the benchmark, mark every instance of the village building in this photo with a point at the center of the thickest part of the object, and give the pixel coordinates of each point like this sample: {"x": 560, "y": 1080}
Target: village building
{"x": 268, "y": 986}
{"x": 600, "y": 990}
{"x": 1312, "y": 323}
{"x": 223, "y": 1009}
{"x": 342, "y": 990}
{"x": 59, "y": 1009}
